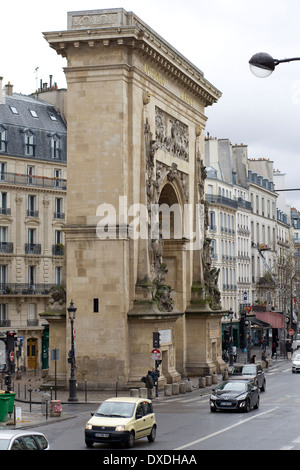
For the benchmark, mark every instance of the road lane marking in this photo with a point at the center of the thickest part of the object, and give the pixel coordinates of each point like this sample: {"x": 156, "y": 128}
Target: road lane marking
{"x": 209, "y": 436}
{"x": 286, "y": 448}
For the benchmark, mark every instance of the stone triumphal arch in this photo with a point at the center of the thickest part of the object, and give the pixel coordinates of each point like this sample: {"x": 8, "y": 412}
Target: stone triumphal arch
{"x": 136, "y": 244}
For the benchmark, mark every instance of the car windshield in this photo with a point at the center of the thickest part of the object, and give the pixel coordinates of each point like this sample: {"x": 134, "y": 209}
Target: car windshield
{"x": 297, "y": 357}
{"x": 116, "y": 409}
{"x": 233, "y": 386}
{"x": 244, "y": 370}
{"x": 4, "y": 443}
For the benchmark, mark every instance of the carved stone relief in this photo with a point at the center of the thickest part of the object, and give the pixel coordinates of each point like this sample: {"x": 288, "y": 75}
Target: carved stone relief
{"x": 171, "y": 135}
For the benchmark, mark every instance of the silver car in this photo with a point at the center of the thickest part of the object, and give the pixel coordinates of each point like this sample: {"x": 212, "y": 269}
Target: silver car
{"x": 23, "y": 440}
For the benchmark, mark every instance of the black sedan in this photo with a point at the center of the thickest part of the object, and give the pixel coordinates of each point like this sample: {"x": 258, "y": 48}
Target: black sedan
{"x": 237, "y": 395}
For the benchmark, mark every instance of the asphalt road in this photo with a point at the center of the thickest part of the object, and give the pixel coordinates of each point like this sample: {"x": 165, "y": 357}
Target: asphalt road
{"x": 185, "y": 423}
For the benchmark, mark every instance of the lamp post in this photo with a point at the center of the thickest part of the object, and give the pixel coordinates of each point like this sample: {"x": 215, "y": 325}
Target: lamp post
{"x": 263, "y": 64}
{"x": 72, "y": 381}
{"x": 231, "y": 338}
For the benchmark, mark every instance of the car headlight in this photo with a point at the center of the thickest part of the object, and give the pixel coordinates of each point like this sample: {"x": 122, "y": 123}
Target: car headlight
{"x": 243, "y": 396}
{"x": 121, "y": 427}
{"x": 213, "y": 397}
{"x": 88, "y": 426}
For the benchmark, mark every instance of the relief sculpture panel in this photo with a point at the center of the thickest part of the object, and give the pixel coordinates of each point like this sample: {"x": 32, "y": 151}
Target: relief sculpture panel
{"x": 171, "y": 135}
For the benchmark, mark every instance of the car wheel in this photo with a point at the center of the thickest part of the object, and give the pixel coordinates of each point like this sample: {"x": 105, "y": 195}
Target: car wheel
{"x": 247, "y": 406}
{"x": 130, "y": 440}
{"x": 89, "y": 444}
{"x": 152, "y": 435}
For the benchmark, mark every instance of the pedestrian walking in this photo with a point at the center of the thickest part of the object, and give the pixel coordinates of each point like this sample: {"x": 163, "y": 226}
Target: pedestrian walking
{"x": 149, "y": 384}
{"x": 274, "y": 349}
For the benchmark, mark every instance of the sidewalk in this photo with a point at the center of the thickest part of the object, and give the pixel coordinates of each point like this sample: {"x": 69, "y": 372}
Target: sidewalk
{"x": 31, "y": 408}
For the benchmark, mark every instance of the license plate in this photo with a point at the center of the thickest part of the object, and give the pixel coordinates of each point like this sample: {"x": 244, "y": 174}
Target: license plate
{"x": 225, "y": 403}
{"x": 100, "y": 434}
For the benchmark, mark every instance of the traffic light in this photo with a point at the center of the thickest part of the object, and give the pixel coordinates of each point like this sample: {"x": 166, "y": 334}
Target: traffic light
{"x": 156, "y": 339}
{"x": 10, "y": 340}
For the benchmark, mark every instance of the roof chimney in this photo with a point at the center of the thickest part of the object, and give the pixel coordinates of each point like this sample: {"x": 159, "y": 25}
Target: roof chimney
{"x": 9, "y": 89}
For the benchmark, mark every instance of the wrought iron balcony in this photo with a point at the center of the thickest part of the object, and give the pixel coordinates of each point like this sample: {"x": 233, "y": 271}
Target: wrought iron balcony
{"x": 6, "y": 247}
{"x": 58, "y": 250}
{"x": 33, "y": 248}
{"x": 26, "y": 288}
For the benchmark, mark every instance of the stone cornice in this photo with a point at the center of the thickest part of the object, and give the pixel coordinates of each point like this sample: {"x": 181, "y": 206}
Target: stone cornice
{"x": 137, "y": 36}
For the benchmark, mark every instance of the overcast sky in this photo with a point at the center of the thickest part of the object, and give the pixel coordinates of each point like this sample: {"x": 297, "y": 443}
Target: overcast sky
{"x": 217, "y": 36}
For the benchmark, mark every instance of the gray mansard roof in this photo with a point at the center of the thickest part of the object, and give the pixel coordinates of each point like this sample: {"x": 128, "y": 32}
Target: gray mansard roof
{"x": 21, "y": 114}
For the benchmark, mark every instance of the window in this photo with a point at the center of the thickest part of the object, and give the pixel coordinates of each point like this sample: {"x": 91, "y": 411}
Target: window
{"x": 59, "y": 214}
{"x": 32, "y": 212}
{"x": 57, "y": 176}
{"x": 3, "y": 314}
{"x": 30, "y": 173}
{"x": 58, "y": 275}
{"x": 29, "y": 144}
{"x": 96, "y": 305}
{"x": 32, "y": 316}
{"x": 3, "y": 170}
{"x": 31, "y": 275}
{"x": 52, "y": 117}
{"x": 33, "y": 113}
{"x": 4, "y": 203}
{"x": 55, "y": 147}
{"x": 3, "y": 140}
{"x": 14, "y": 110}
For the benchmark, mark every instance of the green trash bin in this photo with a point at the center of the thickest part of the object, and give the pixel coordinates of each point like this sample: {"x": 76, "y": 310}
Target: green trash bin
{"x": 11, "y": 400}
{"x": 3, "y": 407}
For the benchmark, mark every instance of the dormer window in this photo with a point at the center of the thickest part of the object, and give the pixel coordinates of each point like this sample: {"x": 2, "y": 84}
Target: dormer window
{"x": 29, "y": 144}
{"x": 55, "y": 146}
{"x": 3, "y": 139}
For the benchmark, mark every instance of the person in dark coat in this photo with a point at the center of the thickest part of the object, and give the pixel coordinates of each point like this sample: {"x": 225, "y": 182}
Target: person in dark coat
{"x": 149, "y": 384}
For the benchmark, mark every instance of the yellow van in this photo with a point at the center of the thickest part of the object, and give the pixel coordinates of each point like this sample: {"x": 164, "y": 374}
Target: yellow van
{"x": 121, "y": 419}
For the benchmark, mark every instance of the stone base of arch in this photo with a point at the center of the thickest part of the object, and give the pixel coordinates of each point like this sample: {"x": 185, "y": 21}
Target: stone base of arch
{"x": 144, "y": 319}
{"x": 203, "y": 341}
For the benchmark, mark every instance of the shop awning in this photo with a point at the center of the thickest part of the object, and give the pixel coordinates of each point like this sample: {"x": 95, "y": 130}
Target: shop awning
{"x": 260, "y": 323}
{"x": 275, "y": 319}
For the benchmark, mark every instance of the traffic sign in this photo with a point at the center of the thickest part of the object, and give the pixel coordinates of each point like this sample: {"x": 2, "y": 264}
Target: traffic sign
{"x": 156, "y": 354}
{"x": 291, "y": 332}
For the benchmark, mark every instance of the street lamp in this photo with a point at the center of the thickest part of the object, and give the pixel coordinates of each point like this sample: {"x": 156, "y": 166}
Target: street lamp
{"x": 72, "y": 382}
{"x": 262, "y": 64}
{"x": 230, "y": 314}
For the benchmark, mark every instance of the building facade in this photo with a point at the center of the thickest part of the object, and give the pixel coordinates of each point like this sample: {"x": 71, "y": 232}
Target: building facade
{"x": 32, "y": 216}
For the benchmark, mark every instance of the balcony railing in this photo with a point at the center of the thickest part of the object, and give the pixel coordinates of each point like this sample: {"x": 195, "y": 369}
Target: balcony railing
{"x": 7, "y": 288}
{"x": 6, "y": 247}
{"x": 33, "y": 248}
{"x": 32, "y": 213}
{"x": 58, "y": 249}
{"x": 30, "y": 180}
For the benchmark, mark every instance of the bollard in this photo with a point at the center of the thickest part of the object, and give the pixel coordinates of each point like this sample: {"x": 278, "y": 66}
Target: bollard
{"x": 143, "y": 392}
{"x": 182, "y": 387}
{"x": 202, "y": 382}
{"x": 208, "y": 380}
{"x": 134, "y": 392}
{"x": 189, "y": 386}
{"x": 225, "y": 374}
{"x": 214, "y": 378}
{"x": 168, "y": 390}
{"x": 175, "y": 389}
